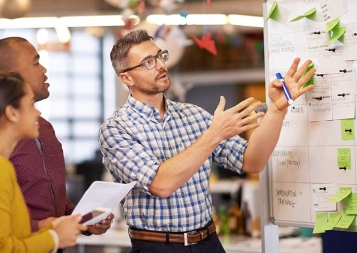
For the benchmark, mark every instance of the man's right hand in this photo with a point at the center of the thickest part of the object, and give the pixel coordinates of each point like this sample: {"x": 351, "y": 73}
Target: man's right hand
{"x": 233, "y": 121}
{"x": 67, "y": 229}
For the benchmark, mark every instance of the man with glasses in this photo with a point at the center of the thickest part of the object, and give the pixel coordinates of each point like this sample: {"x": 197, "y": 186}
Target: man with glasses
{"x": 168, "y": 147}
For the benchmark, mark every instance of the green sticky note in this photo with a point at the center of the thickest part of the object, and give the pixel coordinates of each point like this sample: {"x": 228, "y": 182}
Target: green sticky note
{"x": 274, "y": 12}
{"x": 309, "y": 14}
{"x": 332, "y": 24}
{"x": 297, "y": 18}
{"x": 311, "y": 80}
{"x": 321, "y": 220}
{"x": 344, "y": 158}
{"x": 340, "y": 195}
{"x": 337, "y": 33}
{"x": 351, "y": 205}
{"x": 333, "y": 219}
{"x": 347, "y": 129}
{"x": 345, "y": 221}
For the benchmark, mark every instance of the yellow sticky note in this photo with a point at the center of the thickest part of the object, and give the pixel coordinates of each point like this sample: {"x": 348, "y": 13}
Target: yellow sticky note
{"x": 345, "y": 221}
{"x": 321, "y": 220}
{"x": 340, "y": 195}
{"x": 344, "y": 158}
{"x": 347, "y": 129}
{"x": 337, "y": 33}
{"x": 351, "y": 205}
{"x": 333, "y": 219}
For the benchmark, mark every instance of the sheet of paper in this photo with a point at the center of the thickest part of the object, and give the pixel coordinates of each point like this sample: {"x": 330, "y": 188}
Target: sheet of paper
{"x": 101, "y": 198}
{"x": 320, "y": 99}
{"x": 332, "y": 9}
{"x": 315, "y": 42}
{"x": 350, "y": 43}
{"x": 343, "y": 94}
{"x": 320, "y": 194}
{"x": 331, "y": 60}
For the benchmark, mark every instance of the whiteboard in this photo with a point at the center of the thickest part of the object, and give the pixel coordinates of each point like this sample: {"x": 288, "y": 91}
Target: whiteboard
{"x": 305, "y": 167}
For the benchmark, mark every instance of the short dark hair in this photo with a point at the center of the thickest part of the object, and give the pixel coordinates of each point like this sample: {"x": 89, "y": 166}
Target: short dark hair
{"x": 8, "y": 55}
{"x": 12, "y": 89}
{"x": 120, "y": 50}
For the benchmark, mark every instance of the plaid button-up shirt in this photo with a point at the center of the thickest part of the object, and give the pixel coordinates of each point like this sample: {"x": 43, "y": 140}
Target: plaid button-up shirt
{"x": 135, "y": 141}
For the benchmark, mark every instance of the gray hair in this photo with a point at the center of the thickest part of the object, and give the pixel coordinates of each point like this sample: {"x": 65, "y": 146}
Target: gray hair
{"x": 120, "y": 50}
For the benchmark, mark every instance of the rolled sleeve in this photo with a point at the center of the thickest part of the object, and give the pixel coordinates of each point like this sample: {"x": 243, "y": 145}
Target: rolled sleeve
{"x": 125, "y": 158}
{"x": 230, "y": 153}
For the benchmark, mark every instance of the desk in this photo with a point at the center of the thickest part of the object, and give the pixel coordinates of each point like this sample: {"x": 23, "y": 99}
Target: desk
{"x": 120, "y": 240}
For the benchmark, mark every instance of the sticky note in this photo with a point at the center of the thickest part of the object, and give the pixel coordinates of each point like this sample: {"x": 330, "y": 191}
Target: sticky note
{"x": 309, "y": 14}
{"x": 344, "y": 158}
{"x": 273, "y": 12}
{"x": 340, "y": 195}
{"x": 333, "y": 219}
{"x": 347, "y": 129}
{"x": 321, "y": 220}
{"x": 351, "y": 205}
{"x": 311, "y": 80}
{"x": 337, "y": 33}
{"x": 345, "y": 221}
{"x": 332, "y": 24}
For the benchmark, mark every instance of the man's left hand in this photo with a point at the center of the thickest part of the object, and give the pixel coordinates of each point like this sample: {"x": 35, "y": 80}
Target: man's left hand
{"x": 102, "y": 226}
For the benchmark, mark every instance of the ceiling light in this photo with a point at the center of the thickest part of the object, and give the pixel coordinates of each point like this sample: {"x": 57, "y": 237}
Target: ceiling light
{"x": 43, "y": 22}
{"x": 74, "y": 21}
{"x": 174, "y": 19}
{"x": 243, "y": 20}
{"x": 206, "y": 19}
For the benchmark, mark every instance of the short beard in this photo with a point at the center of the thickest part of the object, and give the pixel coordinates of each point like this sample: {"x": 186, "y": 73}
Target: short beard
{"x": 155, "y": 90}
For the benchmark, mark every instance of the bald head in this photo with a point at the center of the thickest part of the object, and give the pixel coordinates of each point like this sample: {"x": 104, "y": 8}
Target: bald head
{"x": 19, "y": 55}
{"x": 8, "y": 57}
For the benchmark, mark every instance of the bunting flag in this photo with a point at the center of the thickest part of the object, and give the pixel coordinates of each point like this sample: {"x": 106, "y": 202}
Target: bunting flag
{"x": 206, "y": 43}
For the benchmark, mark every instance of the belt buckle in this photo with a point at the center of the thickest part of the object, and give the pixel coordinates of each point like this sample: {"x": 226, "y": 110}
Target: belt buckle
{"x": 185, "y": 238}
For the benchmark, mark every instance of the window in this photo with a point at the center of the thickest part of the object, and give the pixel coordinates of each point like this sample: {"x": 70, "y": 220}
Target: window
{"x": 79, "y": 78}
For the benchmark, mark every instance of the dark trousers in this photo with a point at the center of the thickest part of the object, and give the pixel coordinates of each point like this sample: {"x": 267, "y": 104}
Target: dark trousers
{"x": 210, "y": 245}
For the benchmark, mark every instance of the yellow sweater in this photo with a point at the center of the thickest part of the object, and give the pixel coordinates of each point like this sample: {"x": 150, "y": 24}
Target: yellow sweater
{"x": 15, "y": 228}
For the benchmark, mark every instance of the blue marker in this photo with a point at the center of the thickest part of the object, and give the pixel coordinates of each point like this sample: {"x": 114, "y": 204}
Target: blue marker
{"x": 285, "y": 90}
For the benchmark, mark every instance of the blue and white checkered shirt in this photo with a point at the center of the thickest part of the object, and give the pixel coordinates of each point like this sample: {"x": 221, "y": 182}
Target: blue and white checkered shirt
{"x": 135, "y": 141}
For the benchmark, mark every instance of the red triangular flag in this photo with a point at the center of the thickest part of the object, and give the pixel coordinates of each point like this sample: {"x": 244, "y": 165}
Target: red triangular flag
{"x": 206, "y": 43}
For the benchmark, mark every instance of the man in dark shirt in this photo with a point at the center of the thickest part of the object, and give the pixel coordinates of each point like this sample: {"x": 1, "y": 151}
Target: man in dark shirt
{"x": 39, "y": 163}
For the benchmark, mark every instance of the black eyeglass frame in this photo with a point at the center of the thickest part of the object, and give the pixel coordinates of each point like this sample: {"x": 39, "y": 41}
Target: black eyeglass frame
{"x": 159, "y": 55}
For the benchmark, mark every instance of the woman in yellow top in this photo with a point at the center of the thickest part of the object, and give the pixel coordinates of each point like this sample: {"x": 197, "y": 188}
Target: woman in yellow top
{"x": 18, "y": 120}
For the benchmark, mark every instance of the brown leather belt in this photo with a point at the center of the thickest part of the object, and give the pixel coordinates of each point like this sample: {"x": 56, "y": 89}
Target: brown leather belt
{"x": 187, "y": 238}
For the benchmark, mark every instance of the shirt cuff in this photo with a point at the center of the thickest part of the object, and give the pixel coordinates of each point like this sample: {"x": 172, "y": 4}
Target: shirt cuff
{"x": 55, "y": 239}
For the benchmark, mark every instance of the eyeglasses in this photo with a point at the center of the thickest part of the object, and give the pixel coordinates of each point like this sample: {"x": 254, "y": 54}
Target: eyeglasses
{"x": 151, "y": 62}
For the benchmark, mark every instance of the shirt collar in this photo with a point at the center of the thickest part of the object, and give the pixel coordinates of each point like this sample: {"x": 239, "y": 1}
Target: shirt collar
{"x": 149, "y": 110}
